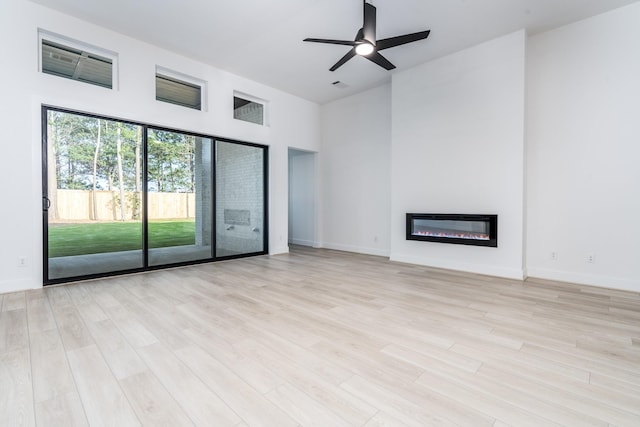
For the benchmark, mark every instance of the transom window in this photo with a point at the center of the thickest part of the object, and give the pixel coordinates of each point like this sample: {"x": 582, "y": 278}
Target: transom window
{"x": 76, "y": 61}
{"x": 175, "y": 91}
{"x": 248, "y": 109}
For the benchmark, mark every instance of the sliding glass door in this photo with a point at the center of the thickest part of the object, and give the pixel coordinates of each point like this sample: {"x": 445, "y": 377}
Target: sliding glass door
{"x": 123, "y": 197}
{"x": 92, "y": 195}
{"x": 240, "y": 199}
{"x": 179, "y": 184}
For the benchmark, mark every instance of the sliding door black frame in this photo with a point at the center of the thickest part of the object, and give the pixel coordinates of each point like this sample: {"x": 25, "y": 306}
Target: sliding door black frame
{"x": 145, "y": 220}
{"x": 265, "y": 192}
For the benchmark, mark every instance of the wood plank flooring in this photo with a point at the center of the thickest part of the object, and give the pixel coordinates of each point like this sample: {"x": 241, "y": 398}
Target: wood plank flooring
{"x": 319, "y": 338}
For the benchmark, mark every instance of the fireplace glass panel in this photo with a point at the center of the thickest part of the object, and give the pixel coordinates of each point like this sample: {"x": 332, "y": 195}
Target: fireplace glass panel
{"x": 479, "y": 230}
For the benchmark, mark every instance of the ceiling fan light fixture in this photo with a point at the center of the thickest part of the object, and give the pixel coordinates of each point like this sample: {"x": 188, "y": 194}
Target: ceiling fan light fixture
{"x": 364, "y": 48}
{"x": 367, "y": 45}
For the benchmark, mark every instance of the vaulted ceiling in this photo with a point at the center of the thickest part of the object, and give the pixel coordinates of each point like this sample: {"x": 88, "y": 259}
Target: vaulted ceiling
{"x": 262, "y": 40}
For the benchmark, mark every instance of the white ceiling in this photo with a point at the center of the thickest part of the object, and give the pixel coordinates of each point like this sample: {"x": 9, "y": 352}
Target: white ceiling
{"x": 262, "y": 39}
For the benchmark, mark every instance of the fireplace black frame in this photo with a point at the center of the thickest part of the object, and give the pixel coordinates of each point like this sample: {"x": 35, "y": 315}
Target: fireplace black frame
{"x": 491, "y": 220}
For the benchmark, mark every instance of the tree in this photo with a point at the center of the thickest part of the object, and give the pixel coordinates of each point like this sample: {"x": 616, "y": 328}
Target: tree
{"x": 171, "y": 162}
{"x": 96, "y": 154}
{"x": 52, "y": 173}
{"x": 120, "y": 173}
{"x": 137, "y": 188}
{"x": 71, "y": 148}
{"x": 95, "y": 174}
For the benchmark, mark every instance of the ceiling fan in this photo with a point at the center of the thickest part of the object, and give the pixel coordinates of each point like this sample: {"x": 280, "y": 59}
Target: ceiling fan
{"x": 365, "y": 43}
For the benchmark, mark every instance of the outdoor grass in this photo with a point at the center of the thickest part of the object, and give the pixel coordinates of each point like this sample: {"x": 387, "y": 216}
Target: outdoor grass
{"x": 92, "y": 238}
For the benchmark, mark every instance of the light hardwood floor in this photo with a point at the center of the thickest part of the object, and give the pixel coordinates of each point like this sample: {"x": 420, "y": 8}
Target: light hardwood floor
{"x": 319, "y": 338}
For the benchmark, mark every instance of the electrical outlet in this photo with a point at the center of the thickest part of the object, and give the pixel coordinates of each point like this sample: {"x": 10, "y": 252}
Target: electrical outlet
{"x": 554, "y": 256}
{"x": 22, "y": 261}
{"x": 591, "y": 258}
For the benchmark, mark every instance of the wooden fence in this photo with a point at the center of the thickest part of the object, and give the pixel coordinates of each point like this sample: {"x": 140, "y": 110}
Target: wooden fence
{"x": 77, "y": 205}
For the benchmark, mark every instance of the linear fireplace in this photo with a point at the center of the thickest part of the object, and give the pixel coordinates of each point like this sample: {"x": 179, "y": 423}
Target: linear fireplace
{"x": 478, "y": 230}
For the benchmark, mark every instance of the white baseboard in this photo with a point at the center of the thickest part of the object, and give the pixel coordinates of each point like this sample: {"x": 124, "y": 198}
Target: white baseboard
{"x": 279, "y": 250}
{"x": 489, "y": 270}
{"x": 302, "y": 242}
{"x": 356, "y": 249}
{"x": 586, "y": 279}
{"x": 7, "y": 286}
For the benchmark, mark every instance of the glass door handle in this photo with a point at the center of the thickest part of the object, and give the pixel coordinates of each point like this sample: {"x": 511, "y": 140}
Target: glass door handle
{"x": 46, "y": 203}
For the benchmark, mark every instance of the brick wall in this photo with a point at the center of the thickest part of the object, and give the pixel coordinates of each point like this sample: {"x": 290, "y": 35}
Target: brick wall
{"x": 239, "y": 186}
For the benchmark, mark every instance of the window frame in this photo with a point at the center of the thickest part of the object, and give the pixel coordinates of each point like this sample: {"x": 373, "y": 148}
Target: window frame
{"x": 186, "y": 80}
{"x": 89, "y": 49}
{"x": 246, "y": 97}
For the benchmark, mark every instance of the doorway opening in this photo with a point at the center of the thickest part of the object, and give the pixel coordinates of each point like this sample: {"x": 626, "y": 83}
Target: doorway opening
{"x": 302, "y": 198}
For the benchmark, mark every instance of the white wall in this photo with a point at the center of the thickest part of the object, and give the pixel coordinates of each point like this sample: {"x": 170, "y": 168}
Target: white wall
{"x": 584, "y": 151}
{"x": 292, "y": 122}
{"x": 356, "y": 133}
{"x": 302, "y": 198}
{"x": 458, "y": 147}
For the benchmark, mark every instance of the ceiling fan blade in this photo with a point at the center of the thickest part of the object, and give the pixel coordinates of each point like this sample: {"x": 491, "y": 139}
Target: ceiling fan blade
{"x": 369, "y": 25}
{"x": 330, "y": 41}
{"x": 400, "y": 40}
{"x": 380, "y": 60}
{"x": 344, "y": 59}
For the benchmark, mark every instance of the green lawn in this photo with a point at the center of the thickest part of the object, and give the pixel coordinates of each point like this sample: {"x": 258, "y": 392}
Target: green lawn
{"x": 91, "y": 238}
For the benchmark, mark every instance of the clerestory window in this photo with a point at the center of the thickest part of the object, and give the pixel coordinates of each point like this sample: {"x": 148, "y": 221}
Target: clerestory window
{"x": 76, "y": 61}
